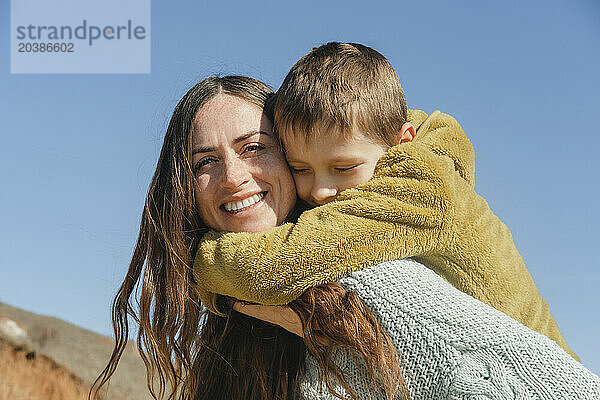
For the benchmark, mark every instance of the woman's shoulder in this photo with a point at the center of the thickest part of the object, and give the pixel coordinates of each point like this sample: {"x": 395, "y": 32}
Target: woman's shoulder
{"x": 408, "y": 290}
{"x": 449, "y": 341}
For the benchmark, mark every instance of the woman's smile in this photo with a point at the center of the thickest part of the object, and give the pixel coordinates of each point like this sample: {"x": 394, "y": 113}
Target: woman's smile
{"x": 236, "y": 207}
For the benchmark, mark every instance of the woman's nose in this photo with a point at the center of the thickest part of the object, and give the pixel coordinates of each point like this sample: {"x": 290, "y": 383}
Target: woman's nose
{"x": 236, "y": 173}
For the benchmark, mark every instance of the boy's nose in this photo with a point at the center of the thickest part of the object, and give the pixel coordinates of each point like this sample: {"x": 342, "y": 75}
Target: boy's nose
{"x": 322, "y": 194}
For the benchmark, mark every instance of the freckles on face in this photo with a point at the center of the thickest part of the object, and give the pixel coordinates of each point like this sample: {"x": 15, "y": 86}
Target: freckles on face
{"x": 324, "y": 167}
{"x": 242, "y": 182}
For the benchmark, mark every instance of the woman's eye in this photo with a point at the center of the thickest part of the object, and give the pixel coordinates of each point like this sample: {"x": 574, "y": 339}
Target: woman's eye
{"x": 344, "y": 169}
{"x": 253, "y": 148}
{"x": 203, "y": 163}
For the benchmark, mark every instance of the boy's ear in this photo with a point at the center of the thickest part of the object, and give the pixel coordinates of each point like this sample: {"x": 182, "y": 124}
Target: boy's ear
{"x": 406, "y": 134}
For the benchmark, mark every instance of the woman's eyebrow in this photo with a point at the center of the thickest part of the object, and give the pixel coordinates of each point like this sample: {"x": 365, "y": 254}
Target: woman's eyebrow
{"x": 208, "y": 149}
{"x": 250, "y": 134}
{"x": 203, "y": 150}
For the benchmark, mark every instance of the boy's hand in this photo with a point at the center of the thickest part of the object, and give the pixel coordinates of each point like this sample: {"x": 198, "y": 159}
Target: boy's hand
{"x": 283, "y": 316}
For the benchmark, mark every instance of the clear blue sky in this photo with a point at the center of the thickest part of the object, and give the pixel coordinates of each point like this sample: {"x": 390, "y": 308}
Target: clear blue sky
{"x": 78, "y": 151}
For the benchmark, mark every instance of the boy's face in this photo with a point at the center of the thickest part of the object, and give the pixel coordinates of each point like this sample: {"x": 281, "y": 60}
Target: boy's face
{"x": 324, "y": 167}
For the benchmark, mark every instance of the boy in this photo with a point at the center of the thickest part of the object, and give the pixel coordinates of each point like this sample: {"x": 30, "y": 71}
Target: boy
{"x": 342, "y": 118}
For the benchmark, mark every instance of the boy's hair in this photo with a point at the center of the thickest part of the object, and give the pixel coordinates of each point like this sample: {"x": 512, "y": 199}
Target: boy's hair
{"x": 340, "y": 87}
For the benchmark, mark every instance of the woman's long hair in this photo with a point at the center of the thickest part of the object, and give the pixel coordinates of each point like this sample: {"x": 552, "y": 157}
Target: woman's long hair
{"x": 190, "y": 353}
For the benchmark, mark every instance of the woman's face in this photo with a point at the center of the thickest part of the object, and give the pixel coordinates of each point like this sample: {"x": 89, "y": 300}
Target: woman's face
{"x": 243, "y": 183}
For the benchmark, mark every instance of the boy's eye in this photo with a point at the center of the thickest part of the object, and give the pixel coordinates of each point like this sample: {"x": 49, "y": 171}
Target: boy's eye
{"x": 344, "y": 169}
{"x": 298, "y": 170}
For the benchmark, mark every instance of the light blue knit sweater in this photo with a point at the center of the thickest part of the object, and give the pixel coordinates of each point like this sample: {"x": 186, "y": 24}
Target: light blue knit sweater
{"x": 453, "y": 346}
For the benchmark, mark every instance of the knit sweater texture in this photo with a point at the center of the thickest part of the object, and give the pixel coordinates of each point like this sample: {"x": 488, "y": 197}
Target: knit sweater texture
{"x": 451, "y": 345}
{"x": 420, "y": 203}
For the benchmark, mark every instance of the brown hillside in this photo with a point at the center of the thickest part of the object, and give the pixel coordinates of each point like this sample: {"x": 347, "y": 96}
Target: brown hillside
{"x": 79, "y": 353}
{"x": 27, "y": 376}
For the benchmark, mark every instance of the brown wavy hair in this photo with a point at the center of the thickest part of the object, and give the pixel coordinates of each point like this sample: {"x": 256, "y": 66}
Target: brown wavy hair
{"x": 190, "y": 353}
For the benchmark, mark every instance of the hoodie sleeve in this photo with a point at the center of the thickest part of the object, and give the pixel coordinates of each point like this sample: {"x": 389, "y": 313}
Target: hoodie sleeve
{"x": 405, "y": 210}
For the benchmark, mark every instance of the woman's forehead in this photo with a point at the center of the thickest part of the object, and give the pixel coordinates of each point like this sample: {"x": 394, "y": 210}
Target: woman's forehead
{"x": 227, "y": 118}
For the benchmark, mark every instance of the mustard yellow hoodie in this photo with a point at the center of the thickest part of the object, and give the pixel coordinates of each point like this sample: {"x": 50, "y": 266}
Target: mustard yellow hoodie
{"x": 420, "y": 203}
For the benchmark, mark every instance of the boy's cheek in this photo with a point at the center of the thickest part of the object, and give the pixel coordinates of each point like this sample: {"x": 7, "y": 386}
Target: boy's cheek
{"x": 361, "y": 176}
{"x": 304, "y": 183}
{"x": 303, "y": 187}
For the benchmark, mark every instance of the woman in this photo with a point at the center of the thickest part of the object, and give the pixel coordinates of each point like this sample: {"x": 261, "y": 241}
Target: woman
{"x": 450, "y": 345}
{"x": 188, "y": 352}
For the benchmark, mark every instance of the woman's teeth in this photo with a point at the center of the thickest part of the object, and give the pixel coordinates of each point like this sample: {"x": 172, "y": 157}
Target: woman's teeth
{"x": 235, "y": 206}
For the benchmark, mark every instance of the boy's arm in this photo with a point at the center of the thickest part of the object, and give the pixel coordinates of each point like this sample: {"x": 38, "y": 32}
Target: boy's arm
{"x": 403, "y": 211}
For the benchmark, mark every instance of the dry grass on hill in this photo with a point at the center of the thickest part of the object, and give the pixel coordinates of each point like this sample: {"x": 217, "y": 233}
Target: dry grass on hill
{"x": 27, "y": 376}
{"x": 67, "y": 360}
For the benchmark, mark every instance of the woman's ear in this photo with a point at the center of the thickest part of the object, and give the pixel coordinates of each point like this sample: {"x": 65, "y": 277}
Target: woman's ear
{"x": 406, "y": 134}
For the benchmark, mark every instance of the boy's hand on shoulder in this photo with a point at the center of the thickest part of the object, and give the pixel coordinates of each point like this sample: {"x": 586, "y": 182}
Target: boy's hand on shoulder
{"x": 283, "y": 316}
